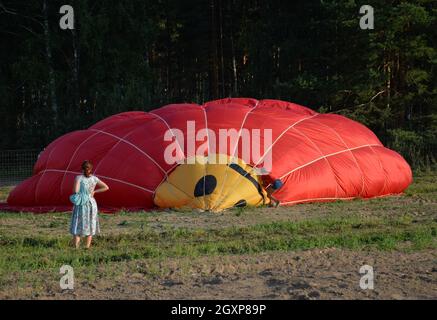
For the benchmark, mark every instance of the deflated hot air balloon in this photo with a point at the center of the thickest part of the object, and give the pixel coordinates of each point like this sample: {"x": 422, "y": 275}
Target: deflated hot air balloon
{"x": 215, "y": 156}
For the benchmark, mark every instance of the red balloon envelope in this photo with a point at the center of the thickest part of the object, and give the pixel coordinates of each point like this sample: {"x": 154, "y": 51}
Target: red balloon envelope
{"x": 318, "y": 157}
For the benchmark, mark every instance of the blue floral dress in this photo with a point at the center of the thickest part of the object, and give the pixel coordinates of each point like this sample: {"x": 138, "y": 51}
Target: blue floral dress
{"x": 85, "y": 220}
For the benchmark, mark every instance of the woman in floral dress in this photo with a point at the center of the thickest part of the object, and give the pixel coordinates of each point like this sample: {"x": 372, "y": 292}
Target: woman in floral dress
{"x": 85, "y": 220}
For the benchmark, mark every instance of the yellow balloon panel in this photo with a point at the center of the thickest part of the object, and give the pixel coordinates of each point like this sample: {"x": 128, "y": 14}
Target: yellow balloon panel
{"x": 215, "y": 183}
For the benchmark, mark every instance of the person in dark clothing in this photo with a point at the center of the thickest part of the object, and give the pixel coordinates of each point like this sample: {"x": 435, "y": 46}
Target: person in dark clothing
{"x": 272, "y": 188}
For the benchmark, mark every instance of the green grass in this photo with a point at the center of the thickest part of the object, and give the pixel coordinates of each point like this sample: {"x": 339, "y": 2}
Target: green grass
{"x": 424, "y": 185}
{"x": 37, "y": 243}
{"x": 18, "y": 253}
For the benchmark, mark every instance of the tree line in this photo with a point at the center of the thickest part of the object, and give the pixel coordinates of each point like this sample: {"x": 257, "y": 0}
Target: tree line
{"x": 141, "y": 54}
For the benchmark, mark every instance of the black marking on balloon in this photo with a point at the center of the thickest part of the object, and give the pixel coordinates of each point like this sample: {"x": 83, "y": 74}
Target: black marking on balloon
{"x": 205, "y": 186}
{"x": 240, "y": 204}
{"x": 246, "y": 174}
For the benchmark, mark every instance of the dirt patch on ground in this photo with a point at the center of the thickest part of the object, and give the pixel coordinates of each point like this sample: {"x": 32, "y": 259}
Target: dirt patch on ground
{"x": 314, "y": 274}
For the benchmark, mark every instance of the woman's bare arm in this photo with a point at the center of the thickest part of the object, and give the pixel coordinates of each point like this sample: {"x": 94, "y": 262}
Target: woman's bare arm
{"x": 103, "y": 187}
{"x": 76, "y": 185}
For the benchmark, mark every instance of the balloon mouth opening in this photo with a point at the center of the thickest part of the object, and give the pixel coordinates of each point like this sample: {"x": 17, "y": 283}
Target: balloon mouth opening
{"x": 211, "y": 186}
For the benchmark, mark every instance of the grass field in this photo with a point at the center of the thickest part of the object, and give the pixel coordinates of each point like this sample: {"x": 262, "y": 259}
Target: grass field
{"x": 307, "y": 251}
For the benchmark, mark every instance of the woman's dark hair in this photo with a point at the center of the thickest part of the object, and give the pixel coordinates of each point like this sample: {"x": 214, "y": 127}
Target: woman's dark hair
{"x": 87, "y": 168}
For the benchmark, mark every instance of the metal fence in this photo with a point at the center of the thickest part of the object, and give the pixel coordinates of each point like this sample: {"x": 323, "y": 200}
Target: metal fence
{"x": 16, "y": 165}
